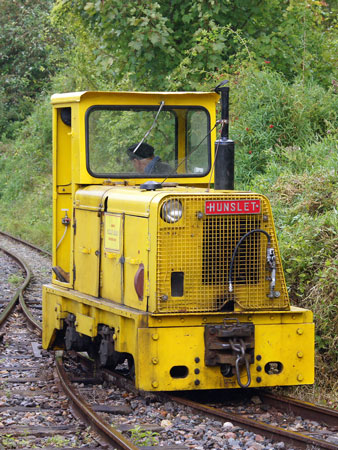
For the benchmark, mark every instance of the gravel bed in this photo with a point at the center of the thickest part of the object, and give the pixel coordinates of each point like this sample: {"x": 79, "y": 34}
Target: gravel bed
{"x": 169, "y": 424}
{"x": 33, "y": 412}
{"x": 41, "y": 267}
{"x": 255, "y": 409}
{"x": 165, "y": 423}
{"x": 11, "y": 275}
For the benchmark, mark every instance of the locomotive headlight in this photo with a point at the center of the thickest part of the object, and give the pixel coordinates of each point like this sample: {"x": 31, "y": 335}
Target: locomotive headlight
{"x": 172, "y": 211}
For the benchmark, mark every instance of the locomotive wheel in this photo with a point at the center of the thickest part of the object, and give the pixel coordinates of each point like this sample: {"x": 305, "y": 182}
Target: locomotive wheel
{"x": 108, "y": 357}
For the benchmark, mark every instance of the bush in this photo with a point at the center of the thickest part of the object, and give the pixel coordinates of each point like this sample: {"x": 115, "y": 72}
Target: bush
{"x": 273, "y": 120}
{"x": 25, "y": 178}
{"x": 26, "y": 65}
{"x": 302, "y": 184}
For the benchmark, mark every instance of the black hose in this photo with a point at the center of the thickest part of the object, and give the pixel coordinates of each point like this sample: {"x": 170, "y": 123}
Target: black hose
{"x": 258, "y": 230}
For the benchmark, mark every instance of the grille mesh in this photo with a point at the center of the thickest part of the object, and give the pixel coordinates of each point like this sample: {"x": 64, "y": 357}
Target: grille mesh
{"x": 198, "y": 251}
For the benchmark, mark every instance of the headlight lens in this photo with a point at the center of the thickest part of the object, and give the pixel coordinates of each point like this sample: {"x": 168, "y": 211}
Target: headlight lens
{"x": 172, "y": 211}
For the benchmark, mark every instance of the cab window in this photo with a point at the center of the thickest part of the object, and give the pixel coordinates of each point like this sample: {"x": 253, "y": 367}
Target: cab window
{"x": 178, "y": 143}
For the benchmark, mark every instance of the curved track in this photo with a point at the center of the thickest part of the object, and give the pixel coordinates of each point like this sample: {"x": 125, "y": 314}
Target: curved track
{"x": 83, "y": 408}
{"x": 32, "y": 412}
{"x": 319, "y": 438}
{"x": 18, "y": 296}
{"x": 111, "y": 436}
{"x": 27, "y": 244}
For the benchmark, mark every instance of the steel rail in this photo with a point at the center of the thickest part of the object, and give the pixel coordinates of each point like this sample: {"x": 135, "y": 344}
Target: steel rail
{"x": 28, "y": 244}
{"x": 307, "y": 410}
{"x": 18, "y": 293}
{"x": 274, "y": 433}
{"x": 105, "y": 430}
{"x": 29, "y": 316}
{"x": 110, "y": 435}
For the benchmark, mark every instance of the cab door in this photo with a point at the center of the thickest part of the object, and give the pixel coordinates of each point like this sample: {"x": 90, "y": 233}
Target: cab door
{"x": 87, "y": 251}
{"x": 111, "y": 277}
{"x": 136, "y": 254}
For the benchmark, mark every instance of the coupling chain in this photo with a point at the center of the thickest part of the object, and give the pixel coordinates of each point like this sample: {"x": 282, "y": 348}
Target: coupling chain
{"x": 241, "y": 360}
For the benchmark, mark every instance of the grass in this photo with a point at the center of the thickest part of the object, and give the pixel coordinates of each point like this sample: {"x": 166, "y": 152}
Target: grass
{"x": 25, "y": 198}
{"x": 58, "y": 441}
{"x": 15, "y": 279}
{"x": 304, "y": 200}
{"x": 143, "y": 438}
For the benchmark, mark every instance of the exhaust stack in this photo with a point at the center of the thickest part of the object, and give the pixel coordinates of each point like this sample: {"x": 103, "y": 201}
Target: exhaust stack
{"x": 224, "y": 147}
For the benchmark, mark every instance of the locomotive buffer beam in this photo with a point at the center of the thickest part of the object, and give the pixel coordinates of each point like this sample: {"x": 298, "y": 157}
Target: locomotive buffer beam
{"x": 230, "y": 346}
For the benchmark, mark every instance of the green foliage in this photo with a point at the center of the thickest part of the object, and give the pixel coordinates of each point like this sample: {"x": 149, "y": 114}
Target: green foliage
{"x": 77, "y": 68}
{"x": 151, "y": 44}
{"x": 25, "y": 65}
{"x": 156, "y": 45}
{"x": 309, "y": 242}
{"x": 26, "y": 186}
{"x": 203, "y": 64}
{"x": 58, "y": 441}
{"x": 303, "y": 41}
{"x": 15, "y": 279}
{"x": 143, "y": 438}
{"x": 25, "y": 162}
{"x": 303, "y": 189}
{"x": 8, "y": 441}
{"x": 272, "y": 120}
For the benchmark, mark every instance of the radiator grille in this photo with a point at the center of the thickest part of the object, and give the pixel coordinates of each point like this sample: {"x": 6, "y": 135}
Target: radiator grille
{"x": 220, "y": 236}
{"x": 196, "y": 251}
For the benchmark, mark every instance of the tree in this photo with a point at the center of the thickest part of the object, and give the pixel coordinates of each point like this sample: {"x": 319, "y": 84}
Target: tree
{"x": 148, "y": 40}
{"x": 25, "y": 67}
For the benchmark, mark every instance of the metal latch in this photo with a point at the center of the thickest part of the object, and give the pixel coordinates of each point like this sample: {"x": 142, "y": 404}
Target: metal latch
{"x": 271, "y": 262}
{"x": 230, "y": 346}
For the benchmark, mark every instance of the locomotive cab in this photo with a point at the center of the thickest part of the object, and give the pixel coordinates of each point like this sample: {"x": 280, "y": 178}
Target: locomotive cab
{"x": 157, "y": 260}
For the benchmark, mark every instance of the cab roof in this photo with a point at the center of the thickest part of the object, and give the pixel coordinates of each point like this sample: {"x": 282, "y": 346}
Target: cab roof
{"x": 75, "y": 97}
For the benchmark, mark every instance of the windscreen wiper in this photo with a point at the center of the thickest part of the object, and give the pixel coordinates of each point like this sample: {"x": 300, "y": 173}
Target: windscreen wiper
{"x": 152, "y": 126}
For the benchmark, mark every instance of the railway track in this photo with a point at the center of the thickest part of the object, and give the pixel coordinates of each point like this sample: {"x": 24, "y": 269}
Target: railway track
{"x": 324, "y": 437}
{"x": 278, "y": 419}
{"x": 34, "y": 264}
{"x": 13, "y": 274}
{"x": 33, "y": 414}
{"x": 15, "y": 343}
{"x": 115, "y": 410}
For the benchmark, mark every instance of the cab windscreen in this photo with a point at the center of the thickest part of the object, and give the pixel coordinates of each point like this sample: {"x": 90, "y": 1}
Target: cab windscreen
{"x": 151, "y": 141}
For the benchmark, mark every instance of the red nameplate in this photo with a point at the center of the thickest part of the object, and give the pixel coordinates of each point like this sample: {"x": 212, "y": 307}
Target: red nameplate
{"x": 214, "y": 207}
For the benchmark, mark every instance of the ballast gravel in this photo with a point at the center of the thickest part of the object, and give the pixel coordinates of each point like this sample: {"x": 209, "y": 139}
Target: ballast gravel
{"x": 153, "y": 423}
{"x": 171, "y": 425}
{"x": 33, "y": 412}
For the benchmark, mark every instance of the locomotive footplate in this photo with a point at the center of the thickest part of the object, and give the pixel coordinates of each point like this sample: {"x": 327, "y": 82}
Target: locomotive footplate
{"x": 230, "y": 346}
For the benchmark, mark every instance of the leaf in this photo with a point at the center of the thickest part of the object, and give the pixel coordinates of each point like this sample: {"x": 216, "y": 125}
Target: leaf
{"x": 136, "y": 45}
{"x": 89, "y": 6}
{"x": 154, "y": 38}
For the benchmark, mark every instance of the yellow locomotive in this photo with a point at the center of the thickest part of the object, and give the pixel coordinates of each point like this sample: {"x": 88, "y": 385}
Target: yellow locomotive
{"x": 158, "y": 262}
